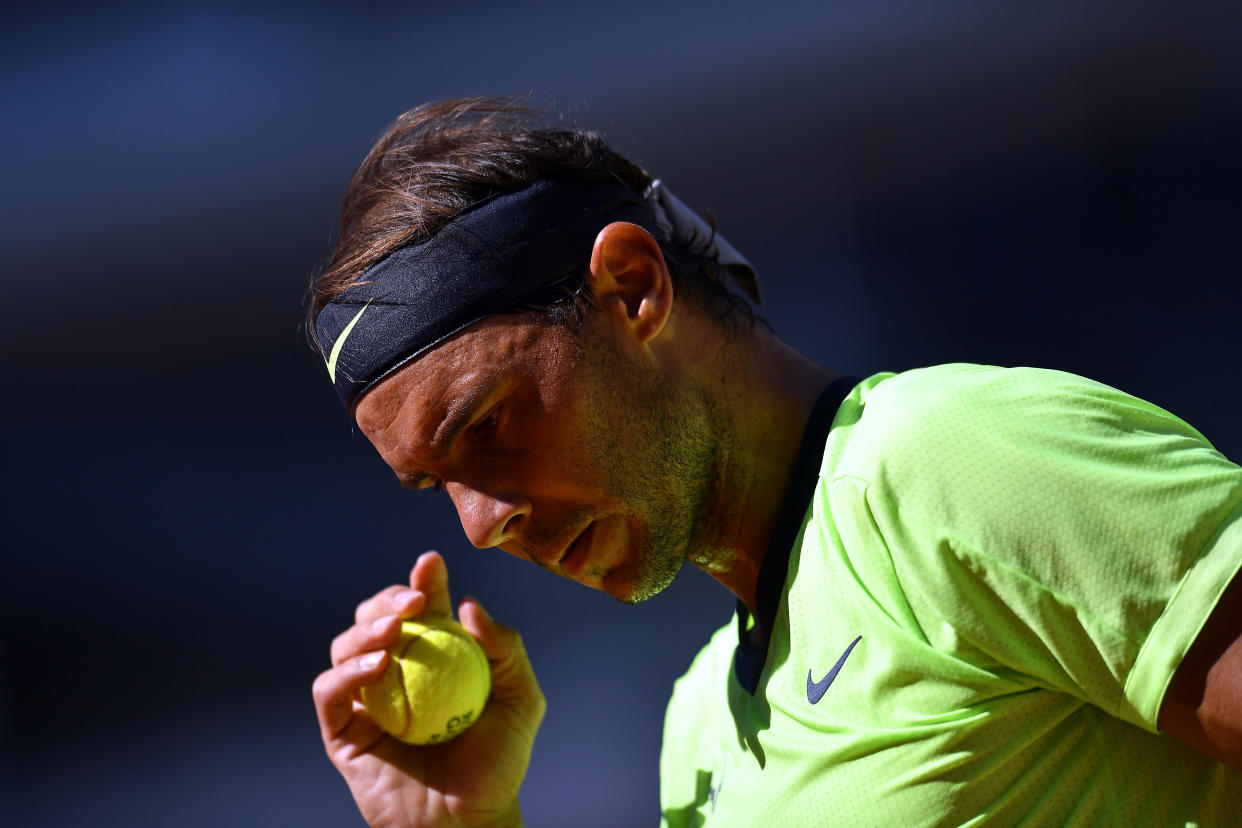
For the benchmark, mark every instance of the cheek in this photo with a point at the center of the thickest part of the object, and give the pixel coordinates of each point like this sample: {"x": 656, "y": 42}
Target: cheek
{"x": 534, "y": 459}
{"x": 554, "y": 463}
{"x": 554, "y": 460}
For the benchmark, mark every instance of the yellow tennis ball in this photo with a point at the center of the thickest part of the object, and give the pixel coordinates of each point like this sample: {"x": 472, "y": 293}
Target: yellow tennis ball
{"x": 436, "y": 684}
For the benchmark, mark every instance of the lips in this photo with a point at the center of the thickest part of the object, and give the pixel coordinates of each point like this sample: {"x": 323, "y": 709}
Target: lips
{"x": 578, "y": 554}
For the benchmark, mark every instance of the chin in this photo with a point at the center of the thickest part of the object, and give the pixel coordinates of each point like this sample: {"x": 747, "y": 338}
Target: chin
{"x": 646, "y": 581}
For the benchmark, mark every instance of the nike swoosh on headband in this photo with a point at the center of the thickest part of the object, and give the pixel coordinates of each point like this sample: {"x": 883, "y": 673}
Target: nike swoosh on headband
{"x": 340, "y": 341}
{"x": 491, "y": 258}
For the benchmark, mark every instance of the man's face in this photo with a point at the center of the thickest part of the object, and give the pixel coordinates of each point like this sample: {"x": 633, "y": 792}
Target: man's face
{"x": 569, "y": 449}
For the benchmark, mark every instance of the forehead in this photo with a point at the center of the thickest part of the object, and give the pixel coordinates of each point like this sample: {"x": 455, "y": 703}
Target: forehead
{"x": 467, "y": 364}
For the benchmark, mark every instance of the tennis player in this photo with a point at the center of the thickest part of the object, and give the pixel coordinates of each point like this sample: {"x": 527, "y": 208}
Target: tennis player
{"x": 965, "y": 594}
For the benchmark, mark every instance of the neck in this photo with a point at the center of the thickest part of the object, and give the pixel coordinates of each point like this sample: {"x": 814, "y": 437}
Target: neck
{"x": 766, "y": 391}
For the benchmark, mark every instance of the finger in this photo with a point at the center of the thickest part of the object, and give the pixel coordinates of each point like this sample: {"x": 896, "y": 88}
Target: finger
{"x": 513, "y": 678}
{"x": 379, "y": 634}
{"x": 334, "y": 690}
{"x": 397, "y": 599}
{"x": 430, "y": 577}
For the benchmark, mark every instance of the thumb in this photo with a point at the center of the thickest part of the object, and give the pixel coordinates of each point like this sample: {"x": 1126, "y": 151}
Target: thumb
{"x": 513, "y": 678}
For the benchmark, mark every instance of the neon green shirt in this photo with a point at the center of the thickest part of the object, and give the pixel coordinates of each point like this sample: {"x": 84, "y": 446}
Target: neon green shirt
{"x": 1006, "y": 566}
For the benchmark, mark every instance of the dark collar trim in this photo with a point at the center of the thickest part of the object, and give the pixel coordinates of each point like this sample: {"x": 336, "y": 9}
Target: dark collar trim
{"x": 748, "y": 659}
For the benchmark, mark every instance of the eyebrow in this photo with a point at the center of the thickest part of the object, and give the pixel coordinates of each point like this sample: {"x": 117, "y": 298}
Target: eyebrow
{"x": 458, "y": 416}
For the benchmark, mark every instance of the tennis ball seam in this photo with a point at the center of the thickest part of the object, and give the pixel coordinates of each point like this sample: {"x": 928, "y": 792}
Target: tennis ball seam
{"x": 401, "y": 711}
{"x": 399, "y": 662}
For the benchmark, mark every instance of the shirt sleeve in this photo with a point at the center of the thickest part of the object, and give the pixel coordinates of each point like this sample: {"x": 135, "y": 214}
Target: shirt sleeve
{"x": 1048, "y": 526}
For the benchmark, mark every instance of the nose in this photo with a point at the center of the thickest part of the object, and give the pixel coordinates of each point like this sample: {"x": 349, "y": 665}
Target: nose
{"x": 488, "y": 519}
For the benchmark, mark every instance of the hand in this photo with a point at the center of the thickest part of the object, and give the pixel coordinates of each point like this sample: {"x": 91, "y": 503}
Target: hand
{"x": 470, "y": 780}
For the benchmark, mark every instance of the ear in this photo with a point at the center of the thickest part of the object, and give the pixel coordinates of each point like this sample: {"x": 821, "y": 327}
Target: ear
{"x": 630, "y": 280}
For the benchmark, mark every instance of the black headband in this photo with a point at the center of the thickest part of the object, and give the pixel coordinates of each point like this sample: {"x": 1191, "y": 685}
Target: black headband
{"x": 495, "y": 256}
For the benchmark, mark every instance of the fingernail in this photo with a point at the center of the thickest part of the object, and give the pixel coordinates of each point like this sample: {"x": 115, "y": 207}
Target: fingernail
{"x": 370, "y": 660}
{"x": 378, "y": 625}
{"x": 404, "y": 598}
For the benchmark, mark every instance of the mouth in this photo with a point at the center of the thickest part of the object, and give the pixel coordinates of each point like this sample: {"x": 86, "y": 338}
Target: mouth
{"x": 577, "y": 554}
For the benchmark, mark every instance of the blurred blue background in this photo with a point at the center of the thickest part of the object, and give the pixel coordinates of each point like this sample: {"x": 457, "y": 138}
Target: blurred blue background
{"x": 190, "y": 517}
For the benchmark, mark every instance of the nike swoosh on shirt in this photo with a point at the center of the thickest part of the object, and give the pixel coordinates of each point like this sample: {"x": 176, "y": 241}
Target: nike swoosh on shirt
{"x": 340, "y": 341}
{"x": 815, "y": 690}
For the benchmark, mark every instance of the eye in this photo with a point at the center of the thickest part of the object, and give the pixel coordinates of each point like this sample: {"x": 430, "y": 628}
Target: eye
{"x": 489, "y": 424}
{"x": 427, "y": 483}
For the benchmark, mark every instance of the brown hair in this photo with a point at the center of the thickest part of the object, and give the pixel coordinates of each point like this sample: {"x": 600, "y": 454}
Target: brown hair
{"x": 438, "y": 159}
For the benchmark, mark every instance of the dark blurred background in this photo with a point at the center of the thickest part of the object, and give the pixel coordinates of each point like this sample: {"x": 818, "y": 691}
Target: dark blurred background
{"x": 189, "y": 516}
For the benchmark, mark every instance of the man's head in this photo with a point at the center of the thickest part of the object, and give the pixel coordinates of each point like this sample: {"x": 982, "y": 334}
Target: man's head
{"x": 588, "y": 448}
{"x": 468, "y": 162}
{"x": 578, "y": 450}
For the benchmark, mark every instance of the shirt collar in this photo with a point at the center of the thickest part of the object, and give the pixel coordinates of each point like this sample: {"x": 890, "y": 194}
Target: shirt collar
{"x": 749, "y": 658}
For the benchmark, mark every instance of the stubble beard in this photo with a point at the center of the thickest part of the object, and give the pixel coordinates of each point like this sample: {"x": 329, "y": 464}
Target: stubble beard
{"x": 665, "y": 475}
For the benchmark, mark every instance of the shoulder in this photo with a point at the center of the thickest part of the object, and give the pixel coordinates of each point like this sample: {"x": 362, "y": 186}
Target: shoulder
{"x": 962, "y": 399}
{"x": 954, "y": 421}
{"x": 1040, "y": 473}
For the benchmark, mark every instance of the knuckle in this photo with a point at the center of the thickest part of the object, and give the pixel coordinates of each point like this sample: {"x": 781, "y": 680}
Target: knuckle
{"x": 321, "y": 688}
{"x": 340, "y": 645}
{"x": 513, "y": 639}
{"x": 367, "y": 608}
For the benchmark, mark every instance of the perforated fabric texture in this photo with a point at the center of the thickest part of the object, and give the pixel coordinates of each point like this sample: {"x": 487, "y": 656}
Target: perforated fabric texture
{"x": 1022, "y": 558}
